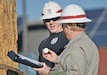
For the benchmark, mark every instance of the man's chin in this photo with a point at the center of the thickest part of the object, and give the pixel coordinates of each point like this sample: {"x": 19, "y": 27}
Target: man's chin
{"x": 52, "y": 31}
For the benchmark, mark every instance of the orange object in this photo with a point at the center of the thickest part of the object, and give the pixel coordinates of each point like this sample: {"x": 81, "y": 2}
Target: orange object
{"x": 103, "y": 61}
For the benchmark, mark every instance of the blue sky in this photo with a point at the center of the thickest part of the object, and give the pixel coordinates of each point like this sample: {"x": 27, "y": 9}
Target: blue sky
{"x": 34, "y": 7}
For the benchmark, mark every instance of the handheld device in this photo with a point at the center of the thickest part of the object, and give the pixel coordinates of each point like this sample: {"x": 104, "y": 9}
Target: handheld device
{"x": 24, "y": 60}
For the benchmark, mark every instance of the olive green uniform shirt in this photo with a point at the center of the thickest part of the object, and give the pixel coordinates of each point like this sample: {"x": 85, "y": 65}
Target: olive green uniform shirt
{"x": 80, "y": 57}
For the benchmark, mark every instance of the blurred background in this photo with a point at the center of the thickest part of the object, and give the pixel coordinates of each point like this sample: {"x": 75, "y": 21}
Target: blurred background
{"x": 31, "y": 30}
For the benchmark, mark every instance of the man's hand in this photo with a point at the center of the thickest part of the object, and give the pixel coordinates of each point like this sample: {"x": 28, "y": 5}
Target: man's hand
{"x": 51, "y": 56}
{"x": 44, "y": 70}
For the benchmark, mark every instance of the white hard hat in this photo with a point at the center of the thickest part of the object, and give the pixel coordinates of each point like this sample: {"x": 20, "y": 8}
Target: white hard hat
{"x": 50, "y": 10}
{"x": 74, "y": 14}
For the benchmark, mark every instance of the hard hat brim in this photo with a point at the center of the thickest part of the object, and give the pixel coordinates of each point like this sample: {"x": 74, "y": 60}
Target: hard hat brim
{"x": 81, "y": 20}
{"x": 48, "y": 16}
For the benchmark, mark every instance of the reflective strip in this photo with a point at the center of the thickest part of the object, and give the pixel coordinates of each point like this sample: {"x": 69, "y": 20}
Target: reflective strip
{"x": 73, "y": 17}
{"x": 42, "y": 14}
{"x": 59, "y": 11}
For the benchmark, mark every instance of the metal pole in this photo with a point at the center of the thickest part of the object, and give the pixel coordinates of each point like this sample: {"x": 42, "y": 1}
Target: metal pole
{"x": 98, "y": 23}
{"x": 24, "y": 28}
{"x": 24, "y": 39}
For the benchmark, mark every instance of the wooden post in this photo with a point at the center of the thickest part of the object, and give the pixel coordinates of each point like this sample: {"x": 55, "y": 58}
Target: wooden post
{"x": 8, "y": 36}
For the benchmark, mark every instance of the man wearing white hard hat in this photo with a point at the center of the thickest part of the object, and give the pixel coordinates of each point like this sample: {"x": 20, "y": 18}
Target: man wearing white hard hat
{"x": 80, "y": 56}
{"x": 56, "y": 41}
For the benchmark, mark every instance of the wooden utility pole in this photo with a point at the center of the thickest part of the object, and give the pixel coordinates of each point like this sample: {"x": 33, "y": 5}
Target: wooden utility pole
{"x": 8, "y": 37}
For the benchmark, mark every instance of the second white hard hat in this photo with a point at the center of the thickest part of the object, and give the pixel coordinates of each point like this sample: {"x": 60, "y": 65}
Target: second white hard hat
{"x": 74, "y": 14}
{"x": 51, "y": 9}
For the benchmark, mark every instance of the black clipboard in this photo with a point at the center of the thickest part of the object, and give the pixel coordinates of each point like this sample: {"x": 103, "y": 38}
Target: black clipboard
{"x": 24, "y": 60}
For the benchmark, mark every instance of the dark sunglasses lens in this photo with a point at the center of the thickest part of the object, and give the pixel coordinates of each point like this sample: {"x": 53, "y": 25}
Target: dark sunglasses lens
{"x": 53, "y": 19}
{"x": 47, "y": 20}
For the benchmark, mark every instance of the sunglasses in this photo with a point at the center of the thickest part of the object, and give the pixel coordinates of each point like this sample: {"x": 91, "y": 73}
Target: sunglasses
{"x": 53, "y": 19}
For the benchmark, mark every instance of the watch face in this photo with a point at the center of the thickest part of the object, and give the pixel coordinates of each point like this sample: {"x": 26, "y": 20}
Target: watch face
{"x": 54, "y": 40}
